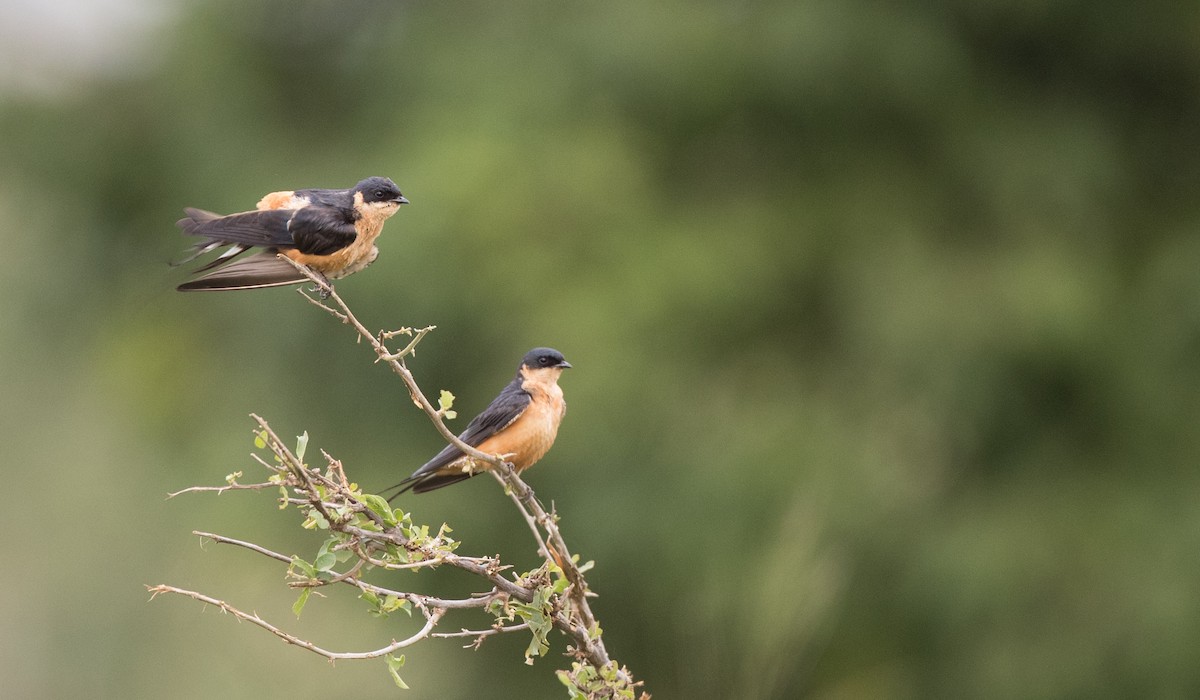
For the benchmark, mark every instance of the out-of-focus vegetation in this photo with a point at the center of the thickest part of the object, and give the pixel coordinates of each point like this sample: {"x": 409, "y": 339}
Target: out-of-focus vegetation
{"x": 885, "y": 321}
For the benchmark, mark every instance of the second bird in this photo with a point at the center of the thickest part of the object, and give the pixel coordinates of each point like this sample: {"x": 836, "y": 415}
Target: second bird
{"x": 332, "y": 232}
{"x": 519, "y": 425}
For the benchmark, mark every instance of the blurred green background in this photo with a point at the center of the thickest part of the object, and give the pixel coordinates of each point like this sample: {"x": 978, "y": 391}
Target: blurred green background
{"x": 885, "y": 320}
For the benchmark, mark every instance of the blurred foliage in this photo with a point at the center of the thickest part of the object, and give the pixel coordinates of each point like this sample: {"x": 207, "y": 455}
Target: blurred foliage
{"x": 885, "y": 318}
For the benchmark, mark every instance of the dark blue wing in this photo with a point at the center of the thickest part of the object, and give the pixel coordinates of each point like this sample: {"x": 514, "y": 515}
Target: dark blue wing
{"x": 320, "y": 230}
{"x": 266, "y": 229}
{"x": 506, "y": 408}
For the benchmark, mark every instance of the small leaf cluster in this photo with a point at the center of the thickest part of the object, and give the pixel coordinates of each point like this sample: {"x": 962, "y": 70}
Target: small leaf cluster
{"x": 355, "y": 517}
{"x": 586, "y": 682}
{"x": 362, "y": 532}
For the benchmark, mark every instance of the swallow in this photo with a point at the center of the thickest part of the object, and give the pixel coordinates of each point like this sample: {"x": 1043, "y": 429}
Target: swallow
{"x": 519, "y": 425}
{"x": 332, "y": 232}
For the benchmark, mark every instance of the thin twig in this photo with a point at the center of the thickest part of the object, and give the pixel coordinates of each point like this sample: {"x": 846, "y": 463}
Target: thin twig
{"x": 481, "y": 633}
{"x": 430, "y": 622}
{"x": 416, "y": 598}
{"x": 221, "y": 539}
{"x": 222, "y": 489}
{"x": 543, "y": 550}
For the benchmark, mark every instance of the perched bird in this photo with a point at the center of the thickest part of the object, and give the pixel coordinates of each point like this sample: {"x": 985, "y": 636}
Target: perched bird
{"x": 519, "y": 425}
{"x": 333, "y": 232}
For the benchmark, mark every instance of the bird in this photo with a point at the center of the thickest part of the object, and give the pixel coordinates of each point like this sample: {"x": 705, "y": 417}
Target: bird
{"x": 519, "y": 425}
{"x": 332, "y": 232}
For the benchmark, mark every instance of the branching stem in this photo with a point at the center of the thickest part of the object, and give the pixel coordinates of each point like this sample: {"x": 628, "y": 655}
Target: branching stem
{"x": 364, "y": 533}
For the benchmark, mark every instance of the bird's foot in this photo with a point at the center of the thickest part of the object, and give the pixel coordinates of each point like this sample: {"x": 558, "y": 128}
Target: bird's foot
{"x": 323, "y": 287}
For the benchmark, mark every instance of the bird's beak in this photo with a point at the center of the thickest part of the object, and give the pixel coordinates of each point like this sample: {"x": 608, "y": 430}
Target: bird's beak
{"x": 564, "y": 364}
{"x": 401, "y": 200}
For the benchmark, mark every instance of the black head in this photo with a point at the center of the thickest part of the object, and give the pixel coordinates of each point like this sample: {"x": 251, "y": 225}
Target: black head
{"x": 541, "y": 358}
{"x": 380, "y": 189}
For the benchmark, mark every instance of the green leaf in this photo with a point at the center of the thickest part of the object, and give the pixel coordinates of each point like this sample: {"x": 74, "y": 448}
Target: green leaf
{"x": 560, "y": 581}
{"x": 537, "y": 614}
{"x": 315, "y": 520}
{"x": 537, "y": 647}
{"x": 304, "y": 567}
{"x": 380, "y": 507}
{"x": 299, "y": 604}
{"x": 325, "y": 562}
{"x": 394, "y": 664}
{"x": 445, "y": 402}
{"x": 392, "y": 603}
{"x": 301, "y": 445}
{"x": 260, "y": 439}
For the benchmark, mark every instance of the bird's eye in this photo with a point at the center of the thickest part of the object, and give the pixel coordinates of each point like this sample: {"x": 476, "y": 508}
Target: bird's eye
{"x": 545, "y": 360}
{"x": 380, "y": 194}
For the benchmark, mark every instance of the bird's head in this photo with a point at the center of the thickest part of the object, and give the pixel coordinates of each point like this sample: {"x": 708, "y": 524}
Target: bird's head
{"x": 545, "y": 358}
{"x": 379, "y": 193}
{"x": 542, "y": 365}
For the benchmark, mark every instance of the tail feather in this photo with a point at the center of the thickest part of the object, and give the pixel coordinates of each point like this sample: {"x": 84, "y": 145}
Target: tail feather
{"x": 195, "y": 218}
{"x": 255, "y": 272}
{"x": 189, "y": 225}
{"x": 240, "y": 232}
{"x": 421, "y": 483}
{"x": 198, "y": 250}
{"x": 228, "y": 255}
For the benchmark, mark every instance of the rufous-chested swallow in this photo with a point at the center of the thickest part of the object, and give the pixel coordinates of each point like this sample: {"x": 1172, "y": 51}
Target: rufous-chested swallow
{"x": 332, "y": 232}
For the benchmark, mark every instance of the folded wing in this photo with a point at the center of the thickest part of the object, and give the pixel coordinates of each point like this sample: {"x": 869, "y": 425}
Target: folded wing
{"x": 501, "y": 413}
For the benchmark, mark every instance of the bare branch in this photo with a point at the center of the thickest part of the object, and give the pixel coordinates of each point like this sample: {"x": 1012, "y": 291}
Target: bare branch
{"x": 221, "y": 539}
{"x": 222, "y": 489}
{"x": 431, "y": 620}
{"x": 481, "y": 633}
